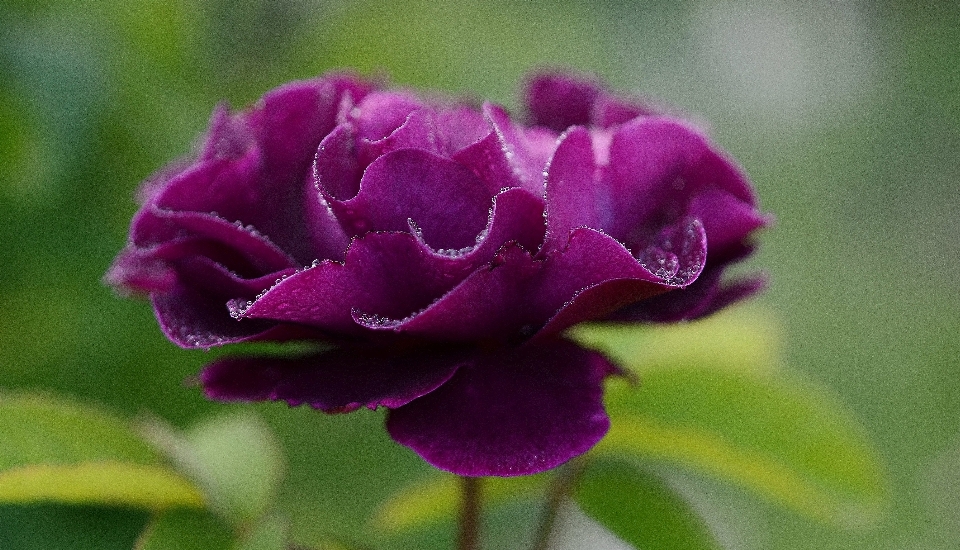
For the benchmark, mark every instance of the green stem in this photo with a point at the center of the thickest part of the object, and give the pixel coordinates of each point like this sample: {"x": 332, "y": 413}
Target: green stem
{"x": 469, "y": 535}
{"x": 559, "y": 490}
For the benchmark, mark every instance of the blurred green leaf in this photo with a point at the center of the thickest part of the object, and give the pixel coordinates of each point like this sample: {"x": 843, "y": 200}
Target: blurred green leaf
{"x": 640, "y": 509}
{"x": 54, "y": 450}
{"x": 186, "y": 530}
{"x": 738, "y": 339}
{"x": 438, "y": 497}
{"x": 235, "y": 458}
{"x": 783, "y": 439}
{"x": 269, "y": 534}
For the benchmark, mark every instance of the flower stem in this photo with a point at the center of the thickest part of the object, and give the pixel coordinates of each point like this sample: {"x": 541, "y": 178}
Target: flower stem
{"x": 559, "y": 490}
{"x": 469, "y": 535}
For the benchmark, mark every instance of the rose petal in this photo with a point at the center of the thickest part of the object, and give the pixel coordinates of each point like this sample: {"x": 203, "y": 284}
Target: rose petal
{"x": 336, "y": 169}
{"x": 491, "y": 304}
{"x": 727, "y": 220}
{"x": 153, "y": 226}
{"x": 291, "y": 120}
{"x": 574, "y": 198}
{"x": 340, "y": 380}
{"x": 704, "y": 297}
{"x": 558, "y": 100}
{"x": 657, "y": 167}
{"x": 508, "y": 156}
{"x": 385, "y": 275}
{"x": 445, "y": 200}
{"x": 516, "y": 216}
{"x": 419, "y": 131}
{"x": 460, "y": 126}
{"x": 513, "y": 412}
{"x": 380, "y": 113}
{"x": 610, "y": 110}
{"x": 594, "y": 275}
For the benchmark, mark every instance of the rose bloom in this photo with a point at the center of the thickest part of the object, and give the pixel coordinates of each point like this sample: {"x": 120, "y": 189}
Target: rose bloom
{"x": 436, "y": 252}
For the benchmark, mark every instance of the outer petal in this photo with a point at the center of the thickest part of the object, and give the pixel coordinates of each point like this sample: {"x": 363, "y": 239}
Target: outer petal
{"x": 727, "y": 220}
{"x": 657, "y": 167}
{"x": 340, "y": 380}
{"x": 704, "y": 297}
{"x": 154, "y": 226}
{"x": 558, "y": 101}
{"x": 595, "y": 275}
{"x": 513, "y": 412}
{"x": 193, "y": 313}
{"x": 290, "y": 121}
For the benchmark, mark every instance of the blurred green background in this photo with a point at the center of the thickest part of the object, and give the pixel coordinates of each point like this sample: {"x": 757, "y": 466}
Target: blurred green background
{"x": 845, "y": 114}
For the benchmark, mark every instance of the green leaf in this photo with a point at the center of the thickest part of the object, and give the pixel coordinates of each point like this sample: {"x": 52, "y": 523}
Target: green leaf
{"x": 436, "y": 498}
{"x": 741, "y": 339}
{"x": 269, "y": 534}
{"x": 186, "y": 530}
{"x": 52, "y": 526}
{"x": 640, "y": 508}
{"x": 235, "y": 458}
{"x": 784, "y": 439}
{"x": 57, "y": 451}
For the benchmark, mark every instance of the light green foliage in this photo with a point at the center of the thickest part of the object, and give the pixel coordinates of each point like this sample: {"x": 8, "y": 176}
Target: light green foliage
{"x": 54, "y": 450}
{"x": 234, "y": 458}
{"x": 742, "y": 339}
{"x": 785, "y": 440}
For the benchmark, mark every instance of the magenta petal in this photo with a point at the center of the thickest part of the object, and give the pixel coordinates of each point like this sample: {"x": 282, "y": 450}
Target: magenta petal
{"x": 291, "y": 120}
{"x": 460, "y": 126}
{"x": 574, "y": 199}
{"x": 558, "y": 100}
{"x": 385, "y": 275}
{"x": 229, "y": 187}
{"x": 595, "y": 275}
{"x": 515, "y": 412}
{"x": 657, "y": 166}
{"x": 154, "y": 226}
{"x": 380, "y": 113}
{"x": 336, "y": 169}
{"x": 509, "y": 156}
{"x": 329, "y": 241}
{"x": 340, "y": 380}
{"x": 516, "y": 216}
{"x": 704, "y": 297}
{"x": 610, "y": 110}
{"x": 727, "y": 220}
{"x": 445, "y": 200}
{"x": 419, "y": 131}
{"x": 491, "y": 304}
{"x": 138, "y": 272}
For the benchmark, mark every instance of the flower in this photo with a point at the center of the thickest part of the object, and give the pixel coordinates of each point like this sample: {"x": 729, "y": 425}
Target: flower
{"x": 438, "y": 250}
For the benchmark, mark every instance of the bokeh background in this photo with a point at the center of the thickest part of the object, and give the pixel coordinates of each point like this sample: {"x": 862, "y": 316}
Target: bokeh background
{"x": 845, "y": 114}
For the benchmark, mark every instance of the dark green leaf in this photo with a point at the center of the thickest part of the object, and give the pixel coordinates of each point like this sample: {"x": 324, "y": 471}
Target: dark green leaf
{"x": 640, "y": 508}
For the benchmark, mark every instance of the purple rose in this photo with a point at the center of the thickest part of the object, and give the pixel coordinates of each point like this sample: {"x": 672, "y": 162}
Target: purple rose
{"x": 436, "y": 252}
